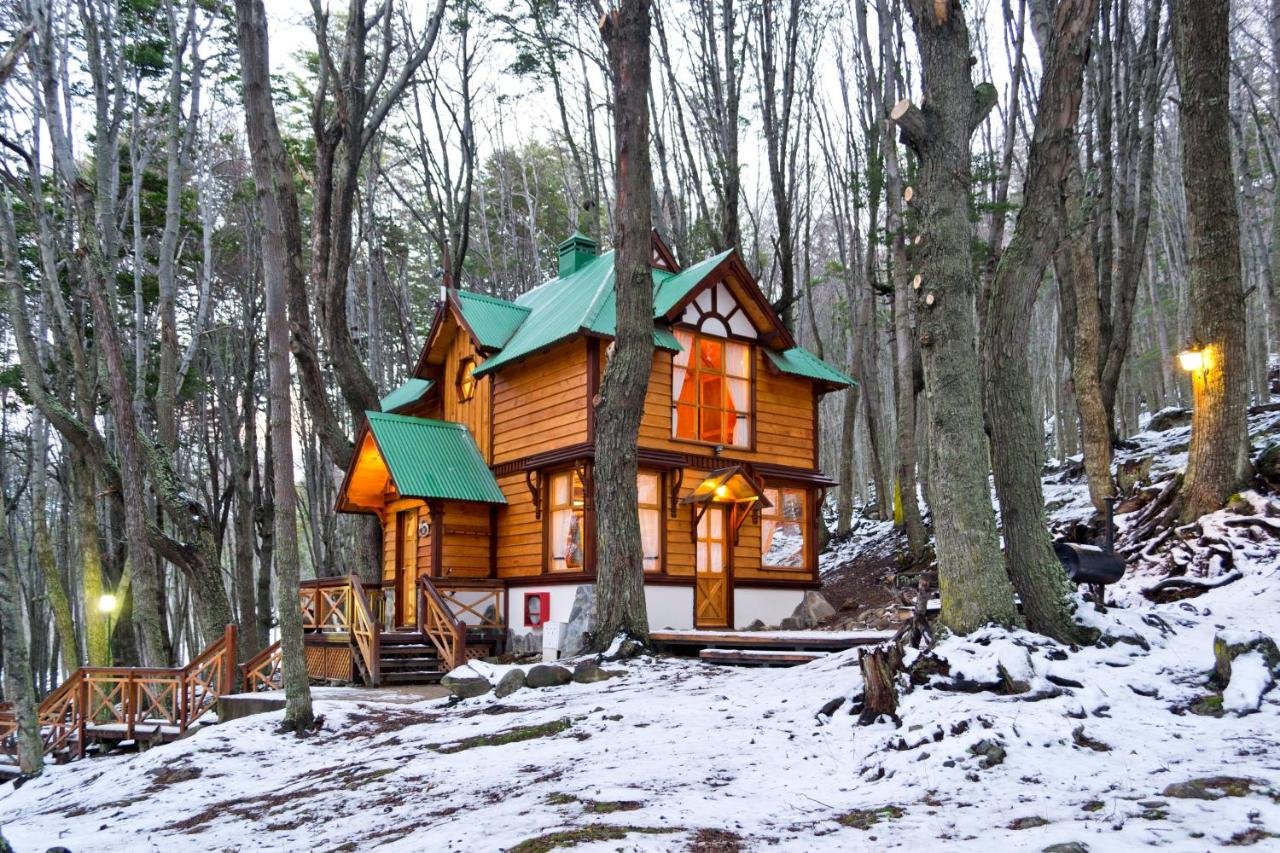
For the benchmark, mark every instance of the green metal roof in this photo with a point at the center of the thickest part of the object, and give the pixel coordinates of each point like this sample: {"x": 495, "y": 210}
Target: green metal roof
{"x": 677, "y": 286}
{"x": 410, "y": 392}
{"x": 581, "y": 302}
{"x": 492, "y": 320}
{"x": 433, "y": 459}
{"x": 585, "y": 302}
{"x": 798, "y": 361}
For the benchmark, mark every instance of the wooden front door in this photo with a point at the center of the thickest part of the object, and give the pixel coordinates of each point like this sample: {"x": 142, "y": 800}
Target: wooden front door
{"x": 711, "y": 583}
{"x": 406, "y": 567}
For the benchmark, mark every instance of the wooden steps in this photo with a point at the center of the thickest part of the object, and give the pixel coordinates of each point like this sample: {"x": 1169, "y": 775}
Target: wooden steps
{"x": 759, "y": 657}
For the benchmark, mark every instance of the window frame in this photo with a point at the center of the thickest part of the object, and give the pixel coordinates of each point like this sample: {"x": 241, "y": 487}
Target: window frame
{"x": 549, "y": 515}
{"x": 659, "y": 509}
{"x": 691, "y": 375}
{"x": 774, "y": 513}
{"x": 464, "y": 375}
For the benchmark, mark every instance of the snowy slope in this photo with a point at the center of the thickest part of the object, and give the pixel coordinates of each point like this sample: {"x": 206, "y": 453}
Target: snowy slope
{"x": 676, "y": 752}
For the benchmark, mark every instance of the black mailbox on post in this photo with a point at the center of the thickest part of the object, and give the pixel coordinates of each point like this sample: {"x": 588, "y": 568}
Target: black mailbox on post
{"x": 1089, "y": 563}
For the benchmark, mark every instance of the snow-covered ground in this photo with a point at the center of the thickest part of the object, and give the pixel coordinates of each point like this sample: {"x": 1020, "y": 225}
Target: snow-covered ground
{"x": 676, "y": 755}
{"x": 1108, "y": 747}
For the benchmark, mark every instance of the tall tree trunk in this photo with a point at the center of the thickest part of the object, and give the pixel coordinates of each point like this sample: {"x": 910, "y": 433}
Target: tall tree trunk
{"x": 18, "y": 683}
{"x": 274, "y": 185}
{"x": 620, "y": 603}
{"x": 1016, "y": 432}
{"x": 1218, "y": 461}
{"x": 59, "y": 601}
{"x": 975, "y": 589}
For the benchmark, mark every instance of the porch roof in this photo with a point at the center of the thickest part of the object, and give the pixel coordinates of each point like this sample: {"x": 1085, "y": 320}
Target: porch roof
{"x": 410, "y": 392}
{"x": 420, "y": 458}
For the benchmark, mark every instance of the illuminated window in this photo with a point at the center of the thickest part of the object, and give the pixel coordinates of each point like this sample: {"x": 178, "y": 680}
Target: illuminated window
{"x": 649, "y": 488}
{"x": 466, "y": 379}
{"x": 782, "y": 529}
{"x": 711, "y": 390}
{"x": 567, "y": 502}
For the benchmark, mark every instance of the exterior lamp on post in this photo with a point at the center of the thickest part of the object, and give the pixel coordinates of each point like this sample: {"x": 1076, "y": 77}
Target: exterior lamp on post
{"x": 107, "y": 607}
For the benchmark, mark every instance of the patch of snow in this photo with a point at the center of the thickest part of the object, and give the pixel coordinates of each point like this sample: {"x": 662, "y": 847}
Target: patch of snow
{"x": 1250, "y": 678}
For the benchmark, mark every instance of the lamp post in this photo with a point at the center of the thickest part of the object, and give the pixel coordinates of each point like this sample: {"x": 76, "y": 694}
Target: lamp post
{"x": 107, "y": 607}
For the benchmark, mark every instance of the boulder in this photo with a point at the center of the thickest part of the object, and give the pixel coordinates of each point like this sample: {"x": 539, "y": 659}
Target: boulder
{"x": 1229, "y": 645}
{"x": 811, "y": 612}
{"x": 466, "y": 686}
{"x": 512, "y": 681}
{"x": 1268, "y": 465}
{"x": 589, "y": 672}
{"x": 1131, "y": 472}
{"x": 990, "y": 751}
{"x": 1169, "y": 418}
{"x": 547, "y": 675}
{"x": 582, "y": 621}
{"x": 1067, "y": 847}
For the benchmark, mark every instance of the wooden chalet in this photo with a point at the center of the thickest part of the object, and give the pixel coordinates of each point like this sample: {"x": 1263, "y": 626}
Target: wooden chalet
{"x": 479, "y": 467}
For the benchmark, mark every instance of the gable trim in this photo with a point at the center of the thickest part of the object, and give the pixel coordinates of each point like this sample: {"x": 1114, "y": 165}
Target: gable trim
{"x": 776, "y": 338}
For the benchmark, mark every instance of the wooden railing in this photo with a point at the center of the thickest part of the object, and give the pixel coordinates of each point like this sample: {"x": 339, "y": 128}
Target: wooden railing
{"x": 327, "y": 603}
{"x": 124, "y": 699}
{"x": 262, "y": 671}
{"x": 438, "y": 623}
{"x": 366, "y": 632}
{"x": 472, "y": 609}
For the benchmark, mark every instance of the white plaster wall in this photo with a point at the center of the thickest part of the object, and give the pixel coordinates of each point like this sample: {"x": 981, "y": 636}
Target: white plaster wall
{"x": 562, "y": 596}
{"x": 770, "y": 606}
{"x": 669, "y": 607}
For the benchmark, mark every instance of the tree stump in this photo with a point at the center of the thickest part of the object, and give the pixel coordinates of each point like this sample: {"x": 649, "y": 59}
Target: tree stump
{"x": 880, "y": 692}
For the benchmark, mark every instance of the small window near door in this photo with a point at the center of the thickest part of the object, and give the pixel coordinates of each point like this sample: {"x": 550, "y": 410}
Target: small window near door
{"x": 649, "y": 490}
{"x": 466, "y": 379}
{"x": 536, "y": 607}
{"x": 567, "y": 501}
{"x": 782, "y": 529}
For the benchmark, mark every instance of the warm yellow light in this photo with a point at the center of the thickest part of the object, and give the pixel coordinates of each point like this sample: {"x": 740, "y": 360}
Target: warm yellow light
{"x": 722, "y": 491}
{"x": 1192, "y": 360}
{"x": 107, "y": 603}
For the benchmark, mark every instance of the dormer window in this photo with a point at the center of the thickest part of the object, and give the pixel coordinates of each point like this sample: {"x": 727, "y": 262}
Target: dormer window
{"x": 711, "y": 390}
{"x": 466, "y": 379}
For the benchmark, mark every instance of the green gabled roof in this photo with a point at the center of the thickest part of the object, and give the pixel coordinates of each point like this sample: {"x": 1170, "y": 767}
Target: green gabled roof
{"x": 493, "y": 321}
{"x": 581, "y": 302}
{"x": 433, "y": 459}
{"x": 798, "y": 361}
{"x": 677, "y": 286}
{"x": 411, "y": 391}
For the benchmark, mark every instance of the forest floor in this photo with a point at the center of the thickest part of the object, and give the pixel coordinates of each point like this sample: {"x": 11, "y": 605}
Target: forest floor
{"x": 1013, "y": 741}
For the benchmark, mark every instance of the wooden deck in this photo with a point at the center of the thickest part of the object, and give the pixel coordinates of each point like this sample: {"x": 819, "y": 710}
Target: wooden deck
{"x": 720, "y": 643}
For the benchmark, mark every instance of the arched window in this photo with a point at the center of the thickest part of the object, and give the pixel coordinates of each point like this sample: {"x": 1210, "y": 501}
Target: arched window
{"x": 466, "y": 379}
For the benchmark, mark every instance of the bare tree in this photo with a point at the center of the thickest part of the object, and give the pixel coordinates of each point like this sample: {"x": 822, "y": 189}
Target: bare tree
{"x": 620, "y": 602}
{"x": 975, "y": 589}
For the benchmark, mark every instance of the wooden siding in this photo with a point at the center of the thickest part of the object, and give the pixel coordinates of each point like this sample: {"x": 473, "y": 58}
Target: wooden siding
{"x": 520, "y": 541}
{"x": 474, "y": 413}
{"x": 783, "y": 415}
{"x": 465, "y": 552}
{"x": 540, "y": 403}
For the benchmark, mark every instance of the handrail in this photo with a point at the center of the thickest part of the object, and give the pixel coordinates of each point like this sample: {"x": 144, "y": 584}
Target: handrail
{"x": 438, "y": 624}
{"x": 366, "y": 634}
{"x": 494, "y": 590}
{"x": 127, "y": 696}
{"x": 262, "y": 671}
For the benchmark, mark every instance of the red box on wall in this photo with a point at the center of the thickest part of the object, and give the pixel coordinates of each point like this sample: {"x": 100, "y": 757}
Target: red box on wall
{"x": 537, "y": 608}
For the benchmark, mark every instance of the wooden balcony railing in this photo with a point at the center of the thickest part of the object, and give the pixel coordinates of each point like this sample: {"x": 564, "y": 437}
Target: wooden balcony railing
{"x": 438, "y": 623}
{"x": 477, "y": 602}
{"x": 126, "y": 701}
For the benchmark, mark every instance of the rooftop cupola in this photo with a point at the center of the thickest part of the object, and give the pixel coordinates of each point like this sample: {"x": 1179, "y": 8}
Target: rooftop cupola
{"x": 576, "y": 252}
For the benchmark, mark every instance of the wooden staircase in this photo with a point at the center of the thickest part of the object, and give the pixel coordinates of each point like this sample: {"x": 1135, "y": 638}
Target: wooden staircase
{"x": 110, "y": 704}
{"x": 456, "y": 620}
